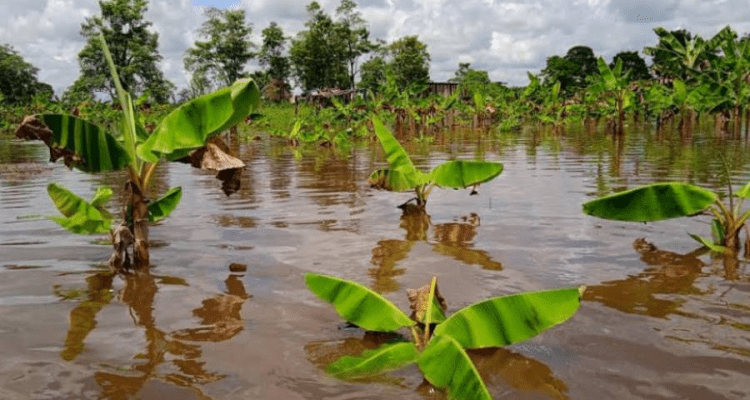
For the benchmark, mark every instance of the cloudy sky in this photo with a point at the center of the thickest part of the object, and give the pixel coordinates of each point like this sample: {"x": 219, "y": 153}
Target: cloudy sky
{"x": 506, "y": 38}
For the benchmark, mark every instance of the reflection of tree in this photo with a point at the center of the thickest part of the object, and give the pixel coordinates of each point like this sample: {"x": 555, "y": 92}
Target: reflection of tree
{"x": 220, "y": 320}
{"x": 453, "y": 239}
{"x": 673, "y": 274}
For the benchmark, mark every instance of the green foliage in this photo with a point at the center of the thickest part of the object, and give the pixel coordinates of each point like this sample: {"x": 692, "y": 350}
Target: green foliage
{"x": 652, "y": 202}
{"x": 164, "y": 205}
{"x": 447, "y": 366}
{"x": 272, "y": 53}
{"x": 80, "y": 216}
{"x": 402, "y": 175}
{"x": 18, "y": 81}
{"x": 410, "y": 61}
{"x": 632, "y": 64}
{"x": 134, "y": 48}
{"x": 494, "y": 322}
{"x": 221, "y": 58}
{"x": 358, "y": 304}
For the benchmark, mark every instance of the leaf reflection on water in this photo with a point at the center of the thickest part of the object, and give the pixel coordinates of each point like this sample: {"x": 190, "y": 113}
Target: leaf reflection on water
{"x": 453, "y": 239}
{"x": 220, "y": 320}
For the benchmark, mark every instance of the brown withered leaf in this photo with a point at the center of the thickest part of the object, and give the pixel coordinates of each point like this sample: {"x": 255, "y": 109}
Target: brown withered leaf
{"x": 33, "y": 129}
{"x": 419, "y": 300}
{"x": 214, "y": 156}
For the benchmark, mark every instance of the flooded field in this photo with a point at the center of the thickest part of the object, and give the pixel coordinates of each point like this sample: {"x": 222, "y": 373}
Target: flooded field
{"x": 225, "y": 313}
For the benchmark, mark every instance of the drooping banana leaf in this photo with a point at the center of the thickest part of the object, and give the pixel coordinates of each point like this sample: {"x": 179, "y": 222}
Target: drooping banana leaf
{"x": 394, "y": 180}
{"x": 81, "y": 144}
{"x": 164, "y": 205}
{"x": 372, "y": 362}
{"x": 398, "y": 159}
{"x": 79, "y": 215}
{"x": 358, "y": 304}
{"x": 190, "y": 125}
{"x": 447, "y": 366}
{"x": 744, "y": 192}
{"x": 710, "y": 245}
{"x": 653, "y": 202}
{"x": 462, "y": 174}
{"x": 505, "y": 320}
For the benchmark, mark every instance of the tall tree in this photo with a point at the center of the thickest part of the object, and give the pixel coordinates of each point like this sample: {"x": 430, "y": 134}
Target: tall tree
{"x": 633, "y": 63}
{"x": 572, "y": 69}
{"x": 373, "y": 74}
{"x": 134, "y": 51}
{"x": 410, "y": 61}
{"x": 222, "y": 57}
{"x": 272, "y": 53}
{"x": 354, "y": 34}
{"x": 475, "y": 81}
{"x": 318, "y": 54}
{"x": 18, "y": 81}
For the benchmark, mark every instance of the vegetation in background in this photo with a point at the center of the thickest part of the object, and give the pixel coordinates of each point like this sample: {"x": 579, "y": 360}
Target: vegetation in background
{"x": 135, "y": 53}
{"x": 18, "y": 79}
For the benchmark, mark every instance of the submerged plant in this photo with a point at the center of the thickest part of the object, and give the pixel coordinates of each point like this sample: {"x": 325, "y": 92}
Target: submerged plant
{"x": 187, "y": 134}
{"x": 661, "y": 201}
{"x": 438, "y": 342}
{"x": 402, "y": 175}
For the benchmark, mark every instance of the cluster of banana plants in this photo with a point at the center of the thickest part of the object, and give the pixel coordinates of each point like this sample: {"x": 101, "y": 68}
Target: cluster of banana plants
{"x": 401, "y": 174}
{"x": 187, "y": 134}
{"x": 660, "y": 201}
{"x": 438, "y": 342}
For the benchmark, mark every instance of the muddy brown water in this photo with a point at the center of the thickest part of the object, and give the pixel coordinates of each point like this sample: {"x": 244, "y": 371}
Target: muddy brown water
{"x": 660, "y": 318}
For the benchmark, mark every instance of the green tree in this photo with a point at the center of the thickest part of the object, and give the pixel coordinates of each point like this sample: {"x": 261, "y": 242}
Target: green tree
{"x": 373, "y": 74}
{"x": 410, "y": 61}
{"x": 134, "y": 51}
{"x": 222, "y": 57}
{"x": 633, "y": 63}
{"x": 354, "y": 35}
{"x": 681, "y": 55}
{"x": 561, "y": 70}
{"x": 18, "y": 81}
{"x": 475, "y": 81}
{"x": 272, "y": 53}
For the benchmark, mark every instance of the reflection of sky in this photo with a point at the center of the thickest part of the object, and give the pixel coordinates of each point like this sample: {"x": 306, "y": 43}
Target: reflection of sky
{"x": 217, "y": 3}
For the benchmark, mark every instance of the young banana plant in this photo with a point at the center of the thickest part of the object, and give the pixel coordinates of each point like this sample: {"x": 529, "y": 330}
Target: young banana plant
{"x": 187, "y": 134}
{"x": 402, "y": 175}
{"x": 661, "y": 201}
{"x": 440, "y": 352}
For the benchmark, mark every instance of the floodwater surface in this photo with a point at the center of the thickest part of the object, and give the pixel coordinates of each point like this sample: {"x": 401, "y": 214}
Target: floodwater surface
{"x": 225, "y": 314}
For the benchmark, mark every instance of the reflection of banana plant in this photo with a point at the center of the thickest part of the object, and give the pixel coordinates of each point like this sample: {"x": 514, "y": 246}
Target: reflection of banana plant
{"x": 440, "y": 352}
{"x": 402, "y": 175}
{"x": 186, "y": 134}
{"x": 661, "y": 201}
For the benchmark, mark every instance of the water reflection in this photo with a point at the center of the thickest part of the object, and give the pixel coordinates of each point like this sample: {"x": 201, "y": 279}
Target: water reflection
{"x": 668, "y": 273}
{"x": 168, "y": 356}
{"x": 453, "y": 239}
{"x": 498, "y": 367}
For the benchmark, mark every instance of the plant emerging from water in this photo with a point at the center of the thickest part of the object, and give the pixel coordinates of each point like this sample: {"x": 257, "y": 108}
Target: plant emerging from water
{"x": 439, "y": 342}
{"x": 402, "y": 175}
{"x": 660, "y": 201}
{"x": 187, "y": 134}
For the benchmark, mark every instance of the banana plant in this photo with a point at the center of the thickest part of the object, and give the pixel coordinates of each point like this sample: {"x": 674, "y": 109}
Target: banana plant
{"x": 439, "y": 343}
{"x": 402, "y": 175}
{"x": 660, "y": 201}
{"x": 613, "y": 84}
{"x": 187, "y": 134}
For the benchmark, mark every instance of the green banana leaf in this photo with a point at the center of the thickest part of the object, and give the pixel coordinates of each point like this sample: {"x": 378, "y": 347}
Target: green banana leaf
{"x": 462, "y": 174}
{"x": 358, "y": 304}
{"x": 447, "y": 366}
{"x": 79, "y": 216}
{"x": 372, "y": 362}
{"x": 83, "y": 145}
{"x": 505, "y": 320}
{"x": 396, "y": 181}
{"x": 710, "y": 245}
{"x": 103, "y": 194}
{"x": 190, "y": 125}
{"x": 398, "y": 159}
{"x": 164, "y": 205}
{"x": 744, "y": 192}
{"x": 653, "y": 202}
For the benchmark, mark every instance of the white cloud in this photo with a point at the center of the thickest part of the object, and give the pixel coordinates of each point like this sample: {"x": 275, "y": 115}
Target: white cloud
{"x": 506, "y": 38}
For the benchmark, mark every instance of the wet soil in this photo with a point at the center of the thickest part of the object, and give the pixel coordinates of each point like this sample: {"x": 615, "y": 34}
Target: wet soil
{"x": 224, "y": 313}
